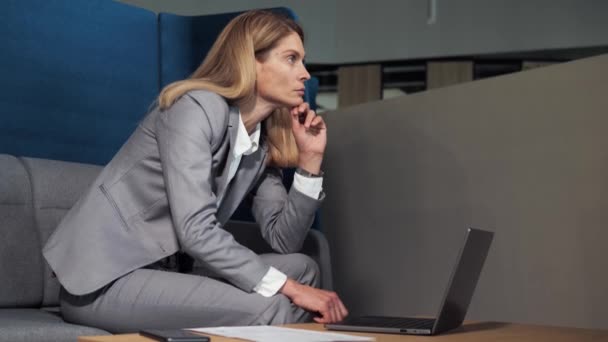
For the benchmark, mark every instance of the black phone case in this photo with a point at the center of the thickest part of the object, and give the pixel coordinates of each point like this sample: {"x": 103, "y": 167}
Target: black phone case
{"x": 174, "y": 335}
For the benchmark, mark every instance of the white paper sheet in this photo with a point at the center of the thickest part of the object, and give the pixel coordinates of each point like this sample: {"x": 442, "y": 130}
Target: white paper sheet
{"x": 264, "y": 333}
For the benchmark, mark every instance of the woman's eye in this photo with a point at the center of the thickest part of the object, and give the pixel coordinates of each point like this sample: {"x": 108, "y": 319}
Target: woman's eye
{"x": 291, "y": 59}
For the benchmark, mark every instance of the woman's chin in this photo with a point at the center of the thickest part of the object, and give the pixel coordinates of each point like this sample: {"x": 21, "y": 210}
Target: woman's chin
{"x": 289, "y": 102}
{"x": 295, "y": 102}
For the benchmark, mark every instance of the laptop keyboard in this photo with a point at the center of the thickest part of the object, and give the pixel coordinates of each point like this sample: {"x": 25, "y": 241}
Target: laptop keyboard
{"x": 392, "y": 322}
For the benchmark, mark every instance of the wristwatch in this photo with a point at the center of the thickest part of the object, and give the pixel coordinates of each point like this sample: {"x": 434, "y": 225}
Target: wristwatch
{"x": 305, "y": 173}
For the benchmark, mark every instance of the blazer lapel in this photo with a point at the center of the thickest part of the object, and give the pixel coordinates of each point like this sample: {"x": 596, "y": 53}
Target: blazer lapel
{"x": 233, "y": 125}
{"x": 250, "y": 168}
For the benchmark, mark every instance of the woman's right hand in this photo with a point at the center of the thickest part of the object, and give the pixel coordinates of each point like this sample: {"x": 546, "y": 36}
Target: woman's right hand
{"x": 326, "y": 303}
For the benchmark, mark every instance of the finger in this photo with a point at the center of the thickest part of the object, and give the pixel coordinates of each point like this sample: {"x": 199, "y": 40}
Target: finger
{"x": 298, "y": 119}
{"x": 317, "y": 122}
{"x": 324, "y": 307}
{"x": 341, "y": 314}
{"x": 295, "y": 120}
{"x": 300, "y": 115}
{"x": 335, "y": 303}
{"x": 343, "y": 310}
{"x": 309, "y": 117}
{"x": 337, "y": 315}
{"x": 304, "y": 107}
{"x": 326, "y": 315}
{"x": 317, "y": 316}
{"x": 331, "y": 315}
{"x": 320, "y": 320}
{"x": 297, "y": 110}
{"x": 313, "y": 132}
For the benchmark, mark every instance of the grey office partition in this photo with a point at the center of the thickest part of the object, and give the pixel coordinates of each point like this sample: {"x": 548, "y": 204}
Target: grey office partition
{"x": 524, "y": 155}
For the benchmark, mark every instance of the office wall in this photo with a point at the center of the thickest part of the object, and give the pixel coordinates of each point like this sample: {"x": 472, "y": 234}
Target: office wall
{"x": 397, "y": 29}
{"x": 317, "y": 17}
{"x": 525, "y": 155}
{"x": 350, "y": 31}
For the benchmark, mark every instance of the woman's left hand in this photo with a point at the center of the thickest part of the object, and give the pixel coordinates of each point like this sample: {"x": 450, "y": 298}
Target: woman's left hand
{"x": 310, "y": 133}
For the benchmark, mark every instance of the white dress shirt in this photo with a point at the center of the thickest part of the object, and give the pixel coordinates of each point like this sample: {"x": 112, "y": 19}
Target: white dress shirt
{"x": 246, "y": 144}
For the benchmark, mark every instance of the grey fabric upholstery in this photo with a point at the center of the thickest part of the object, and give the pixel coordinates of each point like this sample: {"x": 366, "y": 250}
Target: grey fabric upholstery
{"x": 56, "y": 186}
{"x": 34, "y": 196}
{"x": 33, "y": 325}
{"x": 20, "y": 255}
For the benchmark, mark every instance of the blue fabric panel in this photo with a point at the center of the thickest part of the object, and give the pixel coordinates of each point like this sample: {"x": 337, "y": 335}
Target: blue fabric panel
{"x": 185, "y": 41}
{"x": 310, "y": 93}
{"x": 76, "y": 77}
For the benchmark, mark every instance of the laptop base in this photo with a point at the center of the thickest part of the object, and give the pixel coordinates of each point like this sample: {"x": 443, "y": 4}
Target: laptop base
{"x": 383, "y": 324}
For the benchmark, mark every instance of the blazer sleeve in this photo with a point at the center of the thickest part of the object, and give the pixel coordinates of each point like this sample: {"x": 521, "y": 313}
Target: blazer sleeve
{"x": 284, "y": 218}
{"x": 184, "y": 137}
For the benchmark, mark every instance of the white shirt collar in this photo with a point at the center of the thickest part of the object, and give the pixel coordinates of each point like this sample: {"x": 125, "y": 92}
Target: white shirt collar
{"x": 246, "y": 144}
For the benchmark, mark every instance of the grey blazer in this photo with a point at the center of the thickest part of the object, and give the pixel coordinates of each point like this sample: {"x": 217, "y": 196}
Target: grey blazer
{"x": 158, "y": 195}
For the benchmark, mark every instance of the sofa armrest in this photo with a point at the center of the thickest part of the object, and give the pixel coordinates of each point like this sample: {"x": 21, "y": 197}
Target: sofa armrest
{"x": 315, "y": 246}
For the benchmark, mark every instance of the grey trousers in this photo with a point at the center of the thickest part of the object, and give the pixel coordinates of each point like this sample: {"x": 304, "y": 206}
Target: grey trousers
{"x": 157, "y": 299}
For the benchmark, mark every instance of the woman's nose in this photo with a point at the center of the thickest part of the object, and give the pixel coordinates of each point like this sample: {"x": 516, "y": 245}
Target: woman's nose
{"x": 305, "y": 75}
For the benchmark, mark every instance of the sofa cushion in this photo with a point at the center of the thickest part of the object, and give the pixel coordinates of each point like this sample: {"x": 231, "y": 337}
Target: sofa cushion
{"x": 33, "y": 325}
{"x": 56, "y": 186}
{"x": 20, "y": 255}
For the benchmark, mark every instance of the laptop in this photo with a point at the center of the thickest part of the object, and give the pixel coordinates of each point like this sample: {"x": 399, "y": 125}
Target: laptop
{"x": 455, "y": 302}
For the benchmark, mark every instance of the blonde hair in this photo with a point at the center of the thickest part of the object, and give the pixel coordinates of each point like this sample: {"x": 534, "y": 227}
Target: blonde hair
{"x": 230, "y": 71}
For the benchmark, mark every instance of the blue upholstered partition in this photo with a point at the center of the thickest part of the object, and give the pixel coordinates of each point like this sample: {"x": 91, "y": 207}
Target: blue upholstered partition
{"x": 76, "y": 76}
{"x": 185, "y": 41}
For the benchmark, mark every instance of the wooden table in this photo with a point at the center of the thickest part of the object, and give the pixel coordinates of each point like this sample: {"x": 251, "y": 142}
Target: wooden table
{"x": 470, "y": 332}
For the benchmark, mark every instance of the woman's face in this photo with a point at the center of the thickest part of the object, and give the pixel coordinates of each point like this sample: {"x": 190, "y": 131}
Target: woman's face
{"x": 281, "y": 76}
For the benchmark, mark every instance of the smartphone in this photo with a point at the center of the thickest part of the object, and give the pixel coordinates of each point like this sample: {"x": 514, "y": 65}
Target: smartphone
{"x": 173, "y": 335}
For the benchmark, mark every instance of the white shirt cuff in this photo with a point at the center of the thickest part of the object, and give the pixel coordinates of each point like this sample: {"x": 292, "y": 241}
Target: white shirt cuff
{"x": 271, "y": 283}
{"x": 309, "y": 186}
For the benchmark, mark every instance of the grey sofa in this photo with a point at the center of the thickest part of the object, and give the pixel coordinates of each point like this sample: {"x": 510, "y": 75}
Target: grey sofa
{"x": 34, "y": 196}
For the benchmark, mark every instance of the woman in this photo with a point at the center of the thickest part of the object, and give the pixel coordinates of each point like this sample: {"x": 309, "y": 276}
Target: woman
{"x": 212, "y": 139}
